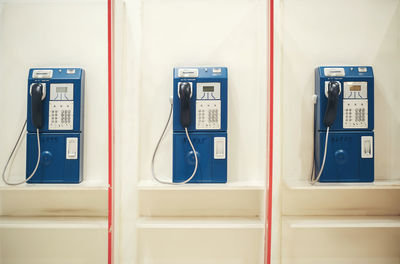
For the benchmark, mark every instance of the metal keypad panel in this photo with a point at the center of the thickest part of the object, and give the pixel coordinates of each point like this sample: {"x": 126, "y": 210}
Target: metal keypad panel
{"x": 208, "y": 114}
{"x": 360, "y": 114}
{"x": 61, "y": 115}
{"x": 212, "y": 115}
{"x": 65, "y": 116}
{"x": 355, "y": 113}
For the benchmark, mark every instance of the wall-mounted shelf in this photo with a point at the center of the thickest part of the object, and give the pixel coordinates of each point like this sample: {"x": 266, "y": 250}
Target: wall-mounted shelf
{"x": 201, "y": 202}
{"x": 90, "y": 185}
{"x": 200, "y": 223}
{"x": 295, "y": 184}
{"x": 85, "y": 199}
{"x": 344, "y": 222}
{"x": 8, "y": 222}
{"x": 238, "y": 185}
{"x": 302, "y": 198}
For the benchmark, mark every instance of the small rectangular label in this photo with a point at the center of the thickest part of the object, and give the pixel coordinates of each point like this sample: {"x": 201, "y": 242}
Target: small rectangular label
{"x": 219, "y": 148}
{"x": 367, "y": 144}
{"x": 72, "y": 148}
{"x": 42, "y": 74}
{"x": 188, "y": 73}
{"x": 332, "y": 72}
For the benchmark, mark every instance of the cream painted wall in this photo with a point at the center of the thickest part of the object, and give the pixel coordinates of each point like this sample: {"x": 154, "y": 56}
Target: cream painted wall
{"x": 54, "y": 35}
{"x": 342, "y": 32}
{"x": 334, "y": 223}
{"x": 153, "y": 36}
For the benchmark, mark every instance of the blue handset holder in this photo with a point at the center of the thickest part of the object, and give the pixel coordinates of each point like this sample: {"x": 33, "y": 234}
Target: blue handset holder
{"x": 350, "y": 146}
{"x": 60, "y": 125}
{"x": 206, "y": 124}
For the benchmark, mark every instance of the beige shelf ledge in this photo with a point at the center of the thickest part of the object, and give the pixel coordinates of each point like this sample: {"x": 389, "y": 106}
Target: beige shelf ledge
{"x": 295, "y": 184}
{"x": 200, "y": 223}
{"x": 238, "y": 185}
{"x": 8, "y": 222}
{"x": 350, "y": 222}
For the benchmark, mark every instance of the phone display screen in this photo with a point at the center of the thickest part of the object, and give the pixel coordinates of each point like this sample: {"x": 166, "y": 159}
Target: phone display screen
{"x": 355, "y": 88}
{"x": 207, "y": 89}
{"x": 61, "y": 89}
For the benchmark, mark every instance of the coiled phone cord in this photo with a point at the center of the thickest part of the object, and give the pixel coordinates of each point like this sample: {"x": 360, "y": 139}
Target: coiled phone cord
{"x": 156, "y": 149}
{"x": 314, "y": 180}
{"x": 12, "y": 154}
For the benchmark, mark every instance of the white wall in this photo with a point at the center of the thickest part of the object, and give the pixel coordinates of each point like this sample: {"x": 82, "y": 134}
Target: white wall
{"x": 345, "y": 223}
{"x": 153, "y": 36}
{"x": 54, "y": 35}
{"x": 222, "y": 33}
{"x": 343, "y": 32}
{"x": 35, "y": 33}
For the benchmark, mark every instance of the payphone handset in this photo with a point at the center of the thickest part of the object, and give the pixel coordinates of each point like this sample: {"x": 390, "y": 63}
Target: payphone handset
{"x": 344, "y": 113}
{"x": 38, "y": 94}
{"x": 199, "y": 107}
{"x": 332, "y": 93}
{"x": 54, "y": 126}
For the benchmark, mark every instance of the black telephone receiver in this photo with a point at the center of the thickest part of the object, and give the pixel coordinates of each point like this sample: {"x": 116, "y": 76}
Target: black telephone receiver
{"x": 37, "y": 93}
{"x": 333, "y": 99}
{"x": 184, "y": 92}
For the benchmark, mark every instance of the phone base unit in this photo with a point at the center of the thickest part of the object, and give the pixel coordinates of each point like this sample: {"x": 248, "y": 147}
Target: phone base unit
{"x": 208, "y": 125}
{"x": 61, "y": 137}
{"x": 349, "y": 157}
{"x": 211, "y": 155}
{"x": 350, "y": 146}
{"x": 60, "y": 161}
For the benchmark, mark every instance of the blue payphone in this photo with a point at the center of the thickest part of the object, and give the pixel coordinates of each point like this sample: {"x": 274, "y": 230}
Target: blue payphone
{"x": 54, "y": 146}
{"x": 344, "y": 124}
{"x": 199, "y": 103}
{"x": 200, "y": 108}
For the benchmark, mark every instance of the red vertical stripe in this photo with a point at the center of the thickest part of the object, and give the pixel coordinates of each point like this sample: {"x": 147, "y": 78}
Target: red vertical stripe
{"x": 110, "y": 24}
{"x": 271, "y": 118}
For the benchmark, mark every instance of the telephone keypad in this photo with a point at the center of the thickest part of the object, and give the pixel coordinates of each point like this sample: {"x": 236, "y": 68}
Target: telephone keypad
{"x": 61, "y": 115}
{"x": 208, "y": 114}
{"x": 355, "y": 113}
